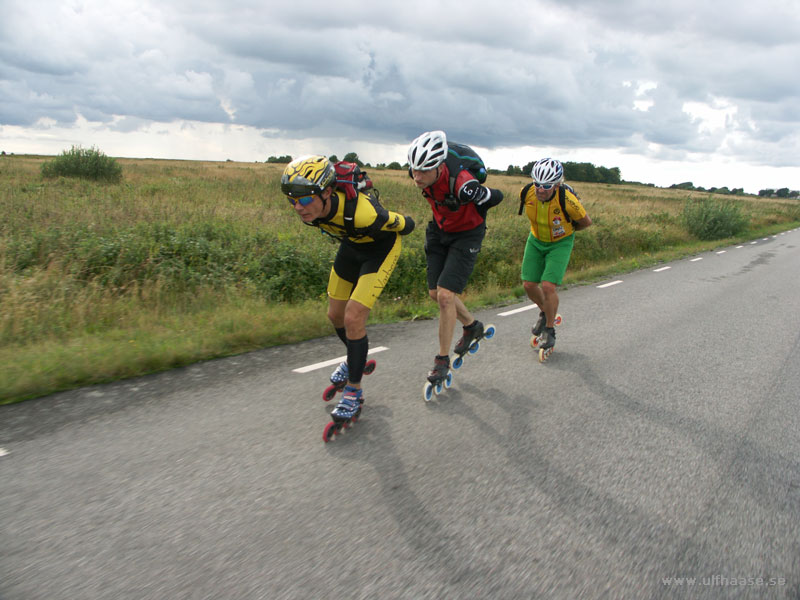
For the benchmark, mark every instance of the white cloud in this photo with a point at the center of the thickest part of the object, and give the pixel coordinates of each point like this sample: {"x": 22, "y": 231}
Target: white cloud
{"x": 704, "y": 83}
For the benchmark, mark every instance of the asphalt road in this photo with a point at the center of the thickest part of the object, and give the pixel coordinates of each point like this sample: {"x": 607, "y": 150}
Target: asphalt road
{"x": 654, "y": 455}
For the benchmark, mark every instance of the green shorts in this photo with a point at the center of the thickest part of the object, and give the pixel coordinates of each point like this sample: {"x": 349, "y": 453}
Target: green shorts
{"x": 546, "y": 261}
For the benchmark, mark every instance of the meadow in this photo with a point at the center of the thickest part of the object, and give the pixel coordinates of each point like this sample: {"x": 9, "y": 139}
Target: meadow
{"x": 184, "y": 261}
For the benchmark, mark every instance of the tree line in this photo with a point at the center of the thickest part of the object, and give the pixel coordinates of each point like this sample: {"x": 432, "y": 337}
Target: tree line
{"x": 573, "y": 171}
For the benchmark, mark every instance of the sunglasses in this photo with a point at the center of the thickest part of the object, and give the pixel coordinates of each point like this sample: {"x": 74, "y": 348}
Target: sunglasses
{"x": 545, "y": 186}
{"x": 304, "y": 201}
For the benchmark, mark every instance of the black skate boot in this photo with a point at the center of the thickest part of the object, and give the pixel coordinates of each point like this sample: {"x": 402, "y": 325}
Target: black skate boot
{"x": 439, "y": 378}
{"x": 548, "y": 338}
{"x": 472, "y": 333}
{"x": 537, "y": 329}
{"x": 547, "y": 344}
{"x": 441, "y": 367}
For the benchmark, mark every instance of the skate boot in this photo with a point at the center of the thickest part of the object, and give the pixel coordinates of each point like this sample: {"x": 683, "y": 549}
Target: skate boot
{"x": 547, "y": 343}
{"x": 439, "y": 378}
{"x": 471, "y": 334}
{"x": 346, "y": 412}
{"x": 536, "y": 330}
{"x": 339, "y": 376}
{"x": 470, "y": 342}
{"x": 339, "y": 379}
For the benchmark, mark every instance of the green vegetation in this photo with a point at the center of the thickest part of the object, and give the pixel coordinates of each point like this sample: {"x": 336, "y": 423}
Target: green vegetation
{"x": 83, "y": 163}
{"x": 184, "y": 261}
{"x": 709, "y": 219}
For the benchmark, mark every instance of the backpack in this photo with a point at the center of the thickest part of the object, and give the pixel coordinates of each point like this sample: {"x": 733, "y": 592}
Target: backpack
{"x": 461, "y": 157}
{"x": 562, "y": 199}
{"x": 351, "y": 180}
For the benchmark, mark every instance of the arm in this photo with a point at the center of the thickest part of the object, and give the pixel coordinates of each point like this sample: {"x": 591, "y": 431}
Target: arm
{"x": 582, "y": 223}
{"x": 482, "y": 196}
{"x": 398, "y": 223}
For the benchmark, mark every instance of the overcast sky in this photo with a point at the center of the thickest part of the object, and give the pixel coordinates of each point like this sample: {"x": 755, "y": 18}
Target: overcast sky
{"x": 686, "y": 90}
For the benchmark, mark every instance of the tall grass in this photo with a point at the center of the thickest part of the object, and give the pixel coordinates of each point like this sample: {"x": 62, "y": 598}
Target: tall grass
{"x": 183, "y": 261}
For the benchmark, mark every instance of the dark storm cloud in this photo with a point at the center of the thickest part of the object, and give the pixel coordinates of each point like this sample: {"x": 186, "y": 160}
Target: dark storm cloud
{"x": 573, "y": 74}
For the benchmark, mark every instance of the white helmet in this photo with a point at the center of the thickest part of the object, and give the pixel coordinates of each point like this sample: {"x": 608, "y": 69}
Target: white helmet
{"x": 547, "y": 170}
{"x": 428, "y": 151}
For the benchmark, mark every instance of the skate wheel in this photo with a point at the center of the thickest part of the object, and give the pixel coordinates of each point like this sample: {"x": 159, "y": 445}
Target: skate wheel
{"x": 544, "y": 353}
{"x": 557, "y": 320}
{"x": 331, "y": 429}
{"x": 534, "y": 341}
{"x": 448, "y": 381}
{"x": 427, "y": 392}
{"x": 458, "y": 362}
{"x": 330, "y": 393}
{"x": 474, "y": 347}
{"x": 369, "y": 367}
{"x": 437, "y": 389}
{"x": 489, "y": 332}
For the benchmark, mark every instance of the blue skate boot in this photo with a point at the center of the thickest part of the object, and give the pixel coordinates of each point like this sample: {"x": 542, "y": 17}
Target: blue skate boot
{"x": 346, "y": 412}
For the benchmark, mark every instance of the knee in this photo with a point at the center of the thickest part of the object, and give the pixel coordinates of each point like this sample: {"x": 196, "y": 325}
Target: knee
{"x": 549, "y": 288}
{"x": 445, "y": 297}
{"x": 530, "y": 286}
{"x": 433, "y": 294}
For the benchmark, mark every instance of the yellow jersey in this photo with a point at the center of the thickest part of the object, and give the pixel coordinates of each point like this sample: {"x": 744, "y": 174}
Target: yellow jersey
{"x": 371, "y": 221}
{"x": 547, "y": 221}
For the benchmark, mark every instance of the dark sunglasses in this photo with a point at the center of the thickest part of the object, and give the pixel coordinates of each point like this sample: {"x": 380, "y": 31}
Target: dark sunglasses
{"x": 304, "y": 201}
{"x": 545, "y": 186}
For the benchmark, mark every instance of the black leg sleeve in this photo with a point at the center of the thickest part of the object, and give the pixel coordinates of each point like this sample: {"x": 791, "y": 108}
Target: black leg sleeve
{"x": 340, "y": 331}
{"x": 356, "y": 358}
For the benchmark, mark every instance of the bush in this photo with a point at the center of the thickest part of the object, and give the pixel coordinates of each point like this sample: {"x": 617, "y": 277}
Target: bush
{"x": 713, "y": 220}
{"x": 84, "y": 163}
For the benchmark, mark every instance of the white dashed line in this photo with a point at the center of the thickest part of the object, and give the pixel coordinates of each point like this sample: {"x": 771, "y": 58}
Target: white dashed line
{"x": 516, "y": 310}
{"x": 751, "y": 243}
{"x": 740, "y": 246}
{"x": 3, "y": 452}
{"x": 661, "y": 269}
{"x": 696, "y": 259}
{"x": 605, "y": 285}
{"x": 722, "y": 252}
{"x": 333, "y": 361}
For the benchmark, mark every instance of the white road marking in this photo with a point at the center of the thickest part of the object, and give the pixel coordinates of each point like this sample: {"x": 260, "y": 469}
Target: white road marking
{"x": 516, "y": 310}
{"x": 722, "y": 252}
{"x": 751, "y": 243}
{"x": 3, "y": 452}
{"x": 661, "y": 269}
{"x": 740, "y": 246}
{"x": 605, "y": 285}
{"x": 333, "y": 361}
{"x": 696, "y": 259}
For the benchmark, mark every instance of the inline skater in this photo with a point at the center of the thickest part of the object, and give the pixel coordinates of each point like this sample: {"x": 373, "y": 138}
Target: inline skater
{"x": 556, "y": 213}
{"x": 453, "y": 237}
{"x": 368, "y": 251}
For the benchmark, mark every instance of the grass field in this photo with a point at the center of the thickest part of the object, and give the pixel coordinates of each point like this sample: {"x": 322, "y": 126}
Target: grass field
{"x": 184, "y": 261}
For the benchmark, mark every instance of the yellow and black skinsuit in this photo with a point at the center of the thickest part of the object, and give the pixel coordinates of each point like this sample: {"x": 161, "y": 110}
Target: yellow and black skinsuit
{"x": 366, "y": 258}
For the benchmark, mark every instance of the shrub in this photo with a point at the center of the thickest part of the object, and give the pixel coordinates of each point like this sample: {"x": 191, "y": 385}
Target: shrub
{"x": 84, "y": 163}
{"x": 713, "y": 220}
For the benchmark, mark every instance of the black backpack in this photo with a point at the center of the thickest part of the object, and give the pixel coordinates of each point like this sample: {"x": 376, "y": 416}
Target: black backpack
{"x": 562, "y": 199}
{"x": 461, "y": 157}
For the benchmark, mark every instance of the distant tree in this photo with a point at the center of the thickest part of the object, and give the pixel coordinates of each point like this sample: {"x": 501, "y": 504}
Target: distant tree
{"x": 794, "y": 194}
{"x": 353, "y": 157}
{"x": 279, "y": 159}
{"x": 687, "y": 185}
{"x": 782, "y": 193}
{"x": 394, "y": 165}
{"x": 513, "y": 170}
